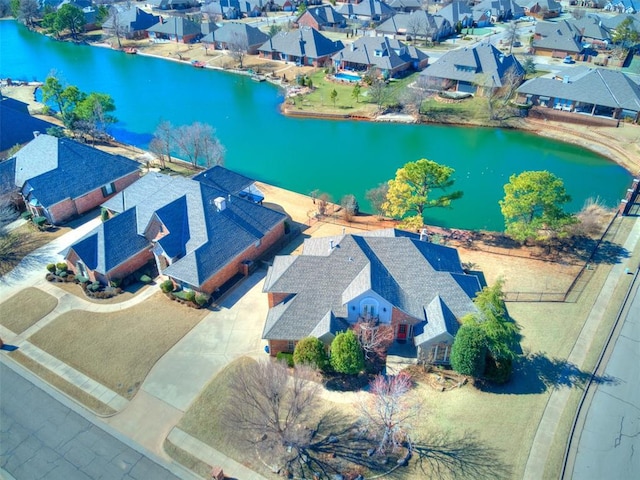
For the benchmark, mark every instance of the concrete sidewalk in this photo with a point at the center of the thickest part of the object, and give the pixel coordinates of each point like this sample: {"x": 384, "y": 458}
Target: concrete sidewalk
{"x": 547, "y": 427}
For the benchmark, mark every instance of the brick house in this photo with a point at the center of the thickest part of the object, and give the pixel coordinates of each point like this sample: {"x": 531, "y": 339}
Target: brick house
{"x": 199, "y": 236}
{"x": 388, "y": 276}
{"x": 305, "y": 46}
{"x": 320, "y": 18}
{"x": 175, "y": 29}
{"x": 61, "y": 179}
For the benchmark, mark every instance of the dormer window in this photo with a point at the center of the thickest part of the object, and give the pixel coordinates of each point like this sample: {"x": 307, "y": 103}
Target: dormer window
{"x": 377, "y": 53}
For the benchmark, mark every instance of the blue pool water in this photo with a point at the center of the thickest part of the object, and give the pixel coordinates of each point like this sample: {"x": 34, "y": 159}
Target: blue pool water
{"x": 347, "y": 77}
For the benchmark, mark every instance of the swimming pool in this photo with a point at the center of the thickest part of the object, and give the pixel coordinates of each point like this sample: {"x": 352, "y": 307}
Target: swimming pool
{"x": 347, "y": 77}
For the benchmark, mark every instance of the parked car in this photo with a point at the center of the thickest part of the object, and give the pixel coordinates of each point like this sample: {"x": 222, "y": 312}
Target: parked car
{"x": 568, "y": 59}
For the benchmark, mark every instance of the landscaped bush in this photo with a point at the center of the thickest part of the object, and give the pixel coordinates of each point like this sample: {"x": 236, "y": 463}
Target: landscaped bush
{"x": 190, "y": 295}
{"x": 63, "y": 274}
{"x": 166, "y": 286}
{"x": 116, "y": 282}
{"x": 62, "y": 266}
{"x": 94, "y": 287}
{"x": 51, "y": 267}
{"x": 39, "y": 221}
{"x": 202, "y": 299}
{"x": 287, "y": 357}
{"x": 81, "y": 279}
{"x": 26, "y": 215}
{"x": 146, "y": 279}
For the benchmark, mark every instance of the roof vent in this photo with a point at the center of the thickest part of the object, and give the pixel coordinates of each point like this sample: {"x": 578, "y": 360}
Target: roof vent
{"x": 220, "y": 203}
{"x": 330, "y": 245}
{"x": 36, "y": 133}
{"x": 565, "y": 79}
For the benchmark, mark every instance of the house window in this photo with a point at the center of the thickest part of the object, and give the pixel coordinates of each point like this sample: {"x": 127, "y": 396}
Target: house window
{"x": 440, "y": 353}
{"x": 377, "y": 53}
{"x": 108, "y": 189}
{"x": 291, "y": 345}
{"x": 82, "y": 271}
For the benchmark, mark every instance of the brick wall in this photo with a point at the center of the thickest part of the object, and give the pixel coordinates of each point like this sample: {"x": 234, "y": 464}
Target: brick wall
{"x": 307, "y": 20}
{"x": 234, "y": 266}
{"x": 275, "y": 298}
{"x": 62, "y": 211}
{"x": 121, "y": 271}
{"x": 277, "y": 346}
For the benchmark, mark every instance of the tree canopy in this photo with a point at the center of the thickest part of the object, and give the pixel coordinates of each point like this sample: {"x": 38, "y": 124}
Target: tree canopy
{"x": 625, "y": 34}
{"x": 67, "y": 17}
{"x": 533, "y": 206}
{"x": 346, "y": 353}
{"x": 410, "y": 192}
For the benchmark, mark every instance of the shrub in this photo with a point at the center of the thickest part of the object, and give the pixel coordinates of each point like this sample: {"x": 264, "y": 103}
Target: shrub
{"x": 39, "y": 221}
{"x": 146, "y": 279}
{"x": 287, "y": 357}
{"x": 62, "y": 266}
{"x": 63, "y": 274}
{"x": 51, "y": 267}
{"x": 81, "y": 279}
{"x": 469, "y": 351}
{"x": 166, "y": 286}
{"x": 346, "y": 353}
{"x": 26, "y": 215}
{"x": 190, "y": 295}
{"x": 104, "y": 215}
{"x": 498, "y": 371}
{"x": 94, "y": 287}
{"x": 310, "y": 351}
{"x": 202, "y": 299}
{"x": 116, "y": 282}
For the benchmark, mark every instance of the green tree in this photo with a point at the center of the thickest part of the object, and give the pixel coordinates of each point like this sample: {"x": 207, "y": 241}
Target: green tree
{"x": 14, "y": 6}
{"x": 334, "y": 97}
{"x": 355, "y": 93}
{"x": 529, "y": 66}
{"x": 69, "y": 18}
{"x": 469, "y": 350}
{"x": 532, "y": 206}
{"x": 310, "y": 351}
{"x": 410, "y": 191}
{"x": 274, "y": 29}
{"x": 346, "y": 353}
{"x": 625, "y": 34}
{"x": 66, "y": 98}
{"x": 93, "y": 114}
{"x": 302, "y": 7}
{"x": 28, "y": 12}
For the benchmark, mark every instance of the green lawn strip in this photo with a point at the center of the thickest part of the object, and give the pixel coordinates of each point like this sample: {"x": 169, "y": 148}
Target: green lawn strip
{"x": 25, "y": 309}
{"x": 187, "y": 460}
{"x": 61, "y": 384}
{"x": 118, "y": 349}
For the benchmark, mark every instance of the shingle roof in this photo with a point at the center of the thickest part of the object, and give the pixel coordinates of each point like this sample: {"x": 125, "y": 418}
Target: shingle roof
{"x": 414, "y": 23}
{"x": 366, "y": 8}
{"x": 401, "y": 269}
{"x": 482, "y": 63}
{"x": 303, "y": 42}
{"x": 599, "y": 86}
{"x": 8, "y": 176}
{"x": 456, "y": 11}
{"x": 561, "y": 35}
{"x": 131, "y": 18}
{"x": 235, "y": 32}
{"x": 440, "y": 320}
{"x": 382, "y": 52}
{"x": 325, "y": 15}
{"x": 224, "y": 179}
{"x": 176, "y": 26}
{"x": 591, "y": 27}
{"x": 17, "y": 125}
{"x": 205, "y": 239}
{"x": 59, "y": 168}
{"x": 111, "y": 243}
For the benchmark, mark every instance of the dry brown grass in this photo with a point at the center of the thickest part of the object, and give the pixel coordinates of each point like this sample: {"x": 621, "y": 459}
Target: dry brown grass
{"x": 118, "y": 349}
{"x": 61, "y": 384}
{"x": 26, "y": 308}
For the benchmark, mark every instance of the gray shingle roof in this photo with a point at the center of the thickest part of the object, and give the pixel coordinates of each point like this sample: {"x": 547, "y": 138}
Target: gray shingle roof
{"x": 592, "y": 28}
{"x": 224, "y": 179}
{"x": 111, "y": 243}
{"x": 176, "y": 26}
{"x": 17, "y": 125}
{"x": 457, "y": 11}
{"x": 239, "y": 32}
{"x": 419, "y": 23}
{"x": 325, "y": 15}
{"x": 599, "y": 86}
{"x": 440, "y": 321}
{"x": 8, "y": 176}
{"x": 562, "y": 35}
{"x": 366, "y": 8}
{"x": 382, "y": 52}
{"x": 303, "y": 42}
{"x": 131, "y": 19}
{"x": 482, "y": 63}
{"x": 59, "y": 168}
{"x": 401, "y": 269}
{"x": 204, "y": 238}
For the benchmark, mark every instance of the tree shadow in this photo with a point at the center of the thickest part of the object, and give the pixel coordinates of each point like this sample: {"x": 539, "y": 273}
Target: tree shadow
{"x": 537, "y": 373}
{"x": 443, "y": 456}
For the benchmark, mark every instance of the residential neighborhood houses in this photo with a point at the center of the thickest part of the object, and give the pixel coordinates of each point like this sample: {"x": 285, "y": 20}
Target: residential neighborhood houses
{"x": 217, "y": 234}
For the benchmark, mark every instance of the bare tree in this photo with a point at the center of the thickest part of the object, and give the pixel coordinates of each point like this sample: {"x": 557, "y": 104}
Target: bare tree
{"x": 198, "y": 143}
{"x": 117, "y": 25}
{"x": 378, "y": 93}
{"x": 374, "y": 337}
{"x": 10, "y": 242}
{"x": 578, "y": 13}
{"x": 238, "y": 48}
{"x": 322, "y": 202}
{"x": 350, "y": 206}
{"x": 28, "y": 11}
{"x": 511, "y": 34}
{"x": 376, "y": 197}
{"x": 273, "y": 409}
{"x": 416, "y": 26}
{"x": 163, "y": 141}
{"x": 510, "y": 82}
{"x": 413, "y": 97}
{"x": 388, "y": 410}
{"x": 156, "y": 146}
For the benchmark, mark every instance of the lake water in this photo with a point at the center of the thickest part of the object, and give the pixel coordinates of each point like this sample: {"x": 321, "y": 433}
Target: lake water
{"x": 338, "y": 157}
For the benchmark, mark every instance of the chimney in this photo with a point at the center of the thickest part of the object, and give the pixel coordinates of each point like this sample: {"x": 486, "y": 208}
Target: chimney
{"x": 220, "y": 203}
{"x": 423, "y": 235}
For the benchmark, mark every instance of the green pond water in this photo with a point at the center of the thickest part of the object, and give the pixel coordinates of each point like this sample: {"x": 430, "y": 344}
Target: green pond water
{"x": 338, "y": 157}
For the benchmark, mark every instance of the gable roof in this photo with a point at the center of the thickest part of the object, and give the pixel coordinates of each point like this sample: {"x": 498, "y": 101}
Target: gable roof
{"x": 457, "y": 11}
{"x": 405, "y": 4}
{"x": 305, "y": 42}
{"x": 224, "y": 179}
{"x": 591, "y": 27}
{"x": 59, "y": 168}
{"x": 175, "y": 26}
{"x": 324, "y": 15}
{"x": 419, "y": 23}
{"x": 403, "y": 270}
{"x": 366, "y": 8}
{"x": 440, "y": 320}
{"x": 600, "y": 86}
{"x": 239, "y": 32}
{"x": 132, "y": 18}
{"x": 203, "y": 238}
{"x": 382, "y": 52}
{"x": 481, "y": 63}
{"x": 500, "y": 8}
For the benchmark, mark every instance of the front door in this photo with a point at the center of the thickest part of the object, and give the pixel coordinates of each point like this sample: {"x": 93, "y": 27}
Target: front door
{"x": 402, "y": 332}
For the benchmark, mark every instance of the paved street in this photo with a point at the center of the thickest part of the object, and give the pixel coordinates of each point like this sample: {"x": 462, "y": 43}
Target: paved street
{"x": 611, "y": 434}
{"x": 41, "y": 438}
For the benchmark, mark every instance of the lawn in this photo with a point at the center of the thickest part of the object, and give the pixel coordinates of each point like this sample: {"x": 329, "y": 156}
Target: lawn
{"x": 118, "y": 349}
{"x": 26, "y": 308}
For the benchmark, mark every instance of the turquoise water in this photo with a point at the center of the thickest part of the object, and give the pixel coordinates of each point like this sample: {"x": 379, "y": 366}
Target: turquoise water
{"x": 338, "y": 157}
{"x": 347, "y": 77}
